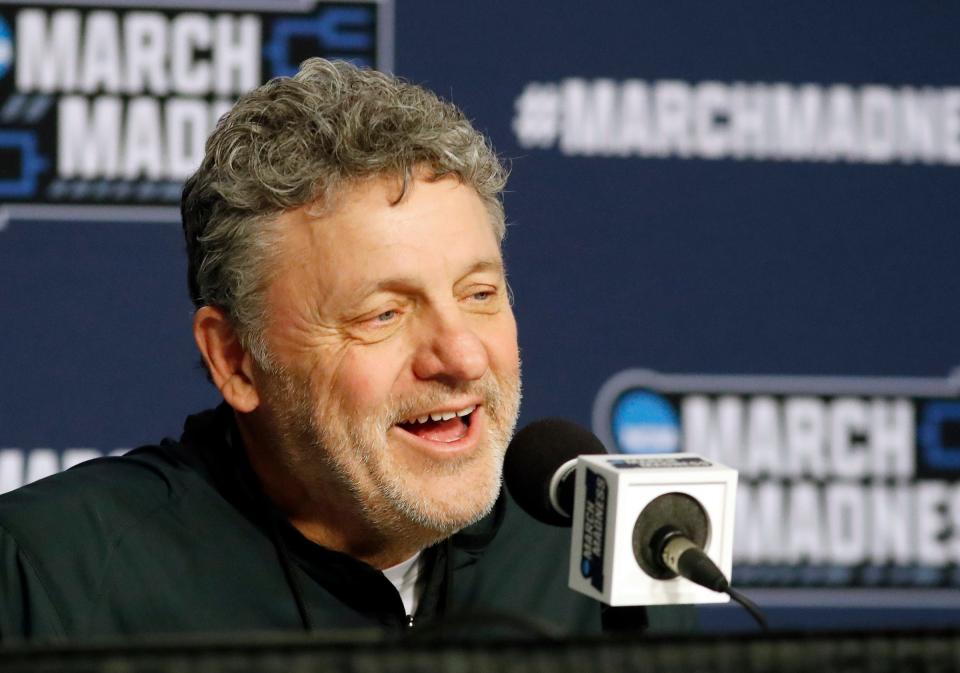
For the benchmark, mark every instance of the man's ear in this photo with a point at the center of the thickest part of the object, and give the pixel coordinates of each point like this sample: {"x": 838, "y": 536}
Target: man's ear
{"x": 230, "y": 365}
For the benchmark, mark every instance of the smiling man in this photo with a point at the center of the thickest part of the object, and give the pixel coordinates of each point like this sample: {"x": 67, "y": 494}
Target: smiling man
{"x": 343, "y": 237}
{"x": 379, "y": 418}
{"x": 370, "y": 353}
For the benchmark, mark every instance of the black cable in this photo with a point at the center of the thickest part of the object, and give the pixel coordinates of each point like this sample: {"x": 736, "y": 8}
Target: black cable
{"x": 678, "y": 554}
{"x": 749, "y": 606}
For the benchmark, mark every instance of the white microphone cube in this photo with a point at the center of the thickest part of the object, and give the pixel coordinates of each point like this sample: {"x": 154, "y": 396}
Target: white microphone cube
{"x": 611, "y": 492}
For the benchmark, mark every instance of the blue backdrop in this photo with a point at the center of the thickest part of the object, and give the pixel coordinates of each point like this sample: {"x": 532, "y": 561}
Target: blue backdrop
{"x": 825, "y": 249}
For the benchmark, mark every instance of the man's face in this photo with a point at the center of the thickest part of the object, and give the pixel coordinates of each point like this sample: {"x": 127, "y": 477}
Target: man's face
{"x": 398, "y": 380}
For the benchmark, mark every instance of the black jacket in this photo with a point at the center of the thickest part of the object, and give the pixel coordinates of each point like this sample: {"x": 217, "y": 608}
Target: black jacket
{"x": 177, "y": 538}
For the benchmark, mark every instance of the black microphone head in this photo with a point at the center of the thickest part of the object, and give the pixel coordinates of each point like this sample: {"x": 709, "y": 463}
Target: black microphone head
{"x": 535, "y": 454}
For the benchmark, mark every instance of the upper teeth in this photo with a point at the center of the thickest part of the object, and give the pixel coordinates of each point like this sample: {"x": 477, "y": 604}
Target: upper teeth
{"x": 441, "y": 415}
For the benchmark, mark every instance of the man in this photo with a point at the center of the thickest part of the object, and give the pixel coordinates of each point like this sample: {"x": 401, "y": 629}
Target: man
{"x": 369, "y": 353}
{"x": 343, "y": 235}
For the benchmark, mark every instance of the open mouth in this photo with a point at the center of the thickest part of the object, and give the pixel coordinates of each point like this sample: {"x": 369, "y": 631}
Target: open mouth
{"x": 440, "y": 426}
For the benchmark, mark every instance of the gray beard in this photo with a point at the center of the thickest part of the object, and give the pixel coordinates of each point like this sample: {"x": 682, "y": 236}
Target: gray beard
{"x": 318, "y": 450}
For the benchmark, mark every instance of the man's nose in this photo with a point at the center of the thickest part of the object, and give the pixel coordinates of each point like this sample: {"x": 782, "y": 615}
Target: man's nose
{"x": 450, "y": 350}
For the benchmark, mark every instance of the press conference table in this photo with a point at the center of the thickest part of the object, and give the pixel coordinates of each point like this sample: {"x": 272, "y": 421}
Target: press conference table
{"x": 371, "y": 652}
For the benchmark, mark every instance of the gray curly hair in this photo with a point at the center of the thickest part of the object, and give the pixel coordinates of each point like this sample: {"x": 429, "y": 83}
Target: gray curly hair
{"x": 297, "y": 141}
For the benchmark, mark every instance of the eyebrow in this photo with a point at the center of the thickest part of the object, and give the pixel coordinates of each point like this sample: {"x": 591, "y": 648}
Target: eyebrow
{"x": 484, "y": 265}
{"x": 410, "y": 283}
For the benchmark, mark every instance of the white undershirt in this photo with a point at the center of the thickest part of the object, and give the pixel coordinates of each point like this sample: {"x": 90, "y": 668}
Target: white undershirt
{"x": 404, "y": 577}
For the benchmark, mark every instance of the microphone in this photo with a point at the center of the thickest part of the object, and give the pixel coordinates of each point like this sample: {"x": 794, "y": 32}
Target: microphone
{"x": 538, "y": 468}
{"x": 639, "y": 521}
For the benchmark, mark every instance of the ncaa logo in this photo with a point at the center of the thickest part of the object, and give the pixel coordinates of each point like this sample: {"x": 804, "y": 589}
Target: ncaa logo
{"x": 644, "y": 422}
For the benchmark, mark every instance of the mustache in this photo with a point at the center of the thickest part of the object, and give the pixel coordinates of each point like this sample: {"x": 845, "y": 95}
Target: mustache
{"x": 487, "y": 389}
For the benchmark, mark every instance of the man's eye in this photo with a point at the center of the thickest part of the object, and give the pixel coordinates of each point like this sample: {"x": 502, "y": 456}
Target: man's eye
{"x": 386, "y": 316}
